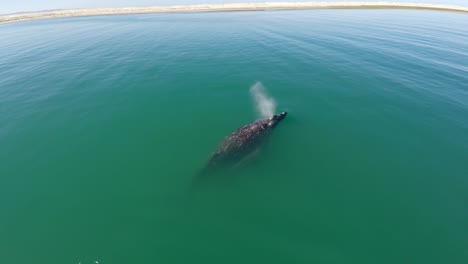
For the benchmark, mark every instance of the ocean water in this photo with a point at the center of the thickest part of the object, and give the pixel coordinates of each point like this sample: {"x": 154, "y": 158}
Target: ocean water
{"x": 105, "y": 122}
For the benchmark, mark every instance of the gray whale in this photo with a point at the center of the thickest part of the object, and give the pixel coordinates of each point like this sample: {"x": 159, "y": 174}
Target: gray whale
{"x": 243, "y": 142}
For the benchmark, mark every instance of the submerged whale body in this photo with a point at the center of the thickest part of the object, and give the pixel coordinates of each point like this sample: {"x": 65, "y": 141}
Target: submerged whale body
{"x": 243, "y": 142}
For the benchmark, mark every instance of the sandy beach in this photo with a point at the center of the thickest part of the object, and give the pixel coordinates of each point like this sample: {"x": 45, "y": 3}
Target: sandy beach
{"x": 225, "y": 8}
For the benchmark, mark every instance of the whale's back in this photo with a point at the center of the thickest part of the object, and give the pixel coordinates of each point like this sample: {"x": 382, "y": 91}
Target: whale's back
{"x": 243, "y": 139}
{"x": 243, "y": 142}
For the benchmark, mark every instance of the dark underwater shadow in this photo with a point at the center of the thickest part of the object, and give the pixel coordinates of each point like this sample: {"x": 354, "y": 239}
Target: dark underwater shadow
{"x": 222, "y": 175}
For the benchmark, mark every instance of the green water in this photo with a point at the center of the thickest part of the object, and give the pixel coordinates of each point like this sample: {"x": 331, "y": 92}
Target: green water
{"x": 105, "y": 121}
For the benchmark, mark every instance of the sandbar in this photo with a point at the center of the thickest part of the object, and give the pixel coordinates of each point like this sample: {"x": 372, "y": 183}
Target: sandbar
{"x": 19, "y": 17}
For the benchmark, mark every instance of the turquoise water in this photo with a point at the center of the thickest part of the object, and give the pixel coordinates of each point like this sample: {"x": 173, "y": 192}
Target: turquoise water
{"x": 105, "y": 121}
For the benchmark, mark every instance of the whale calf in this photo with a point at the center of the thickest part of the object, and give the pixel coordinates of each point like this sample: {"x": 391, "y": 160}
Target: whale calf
{"x": 243, "y": 142}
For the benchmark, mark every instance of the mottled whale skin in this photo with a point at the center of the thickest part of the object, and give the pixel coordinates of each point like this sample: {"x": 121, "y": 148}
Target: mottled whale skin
{"x": 244, "y": 141}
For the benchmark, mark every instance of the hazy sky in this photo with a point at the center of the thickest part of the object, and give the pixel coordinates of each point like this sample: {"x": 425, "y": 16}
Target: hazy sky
{"x": 11, "y": 6}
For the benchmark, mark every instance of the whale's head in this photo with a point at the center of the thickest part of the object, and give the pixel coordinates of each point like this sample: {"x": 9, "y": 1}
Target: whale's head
{"x": 274, "y": 120}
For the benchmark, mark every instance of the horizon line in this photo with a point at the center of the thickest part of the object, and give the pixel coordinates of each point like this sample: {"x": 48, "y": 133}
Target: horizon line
{"x": 231, "y": 7}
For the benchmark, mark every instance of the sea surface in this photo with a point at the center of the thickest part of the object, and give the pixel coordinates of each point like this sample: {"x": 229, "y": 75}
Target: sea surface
{"x": 105, "y": 123}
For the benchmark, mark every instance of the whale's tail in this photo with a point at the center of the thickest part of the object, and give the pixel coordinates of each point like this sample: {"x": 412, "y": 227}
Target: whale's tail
{"x": 212, "y": 165}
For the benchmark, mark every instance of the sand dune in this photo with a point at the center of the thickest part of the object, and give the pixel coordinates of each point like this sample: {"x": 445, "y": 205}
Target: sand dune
{"x": 226, "y": 7}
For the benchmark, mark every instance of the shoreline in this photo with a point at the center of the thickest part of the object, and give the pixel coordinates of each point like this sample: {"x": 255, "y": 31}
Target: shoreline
{"x": 267, "y": 6}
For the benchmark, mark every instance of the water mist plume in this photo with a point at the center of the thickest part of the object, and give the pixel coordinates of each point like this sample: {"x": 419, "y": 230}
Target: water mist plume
{"x": 264, "y": 104}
